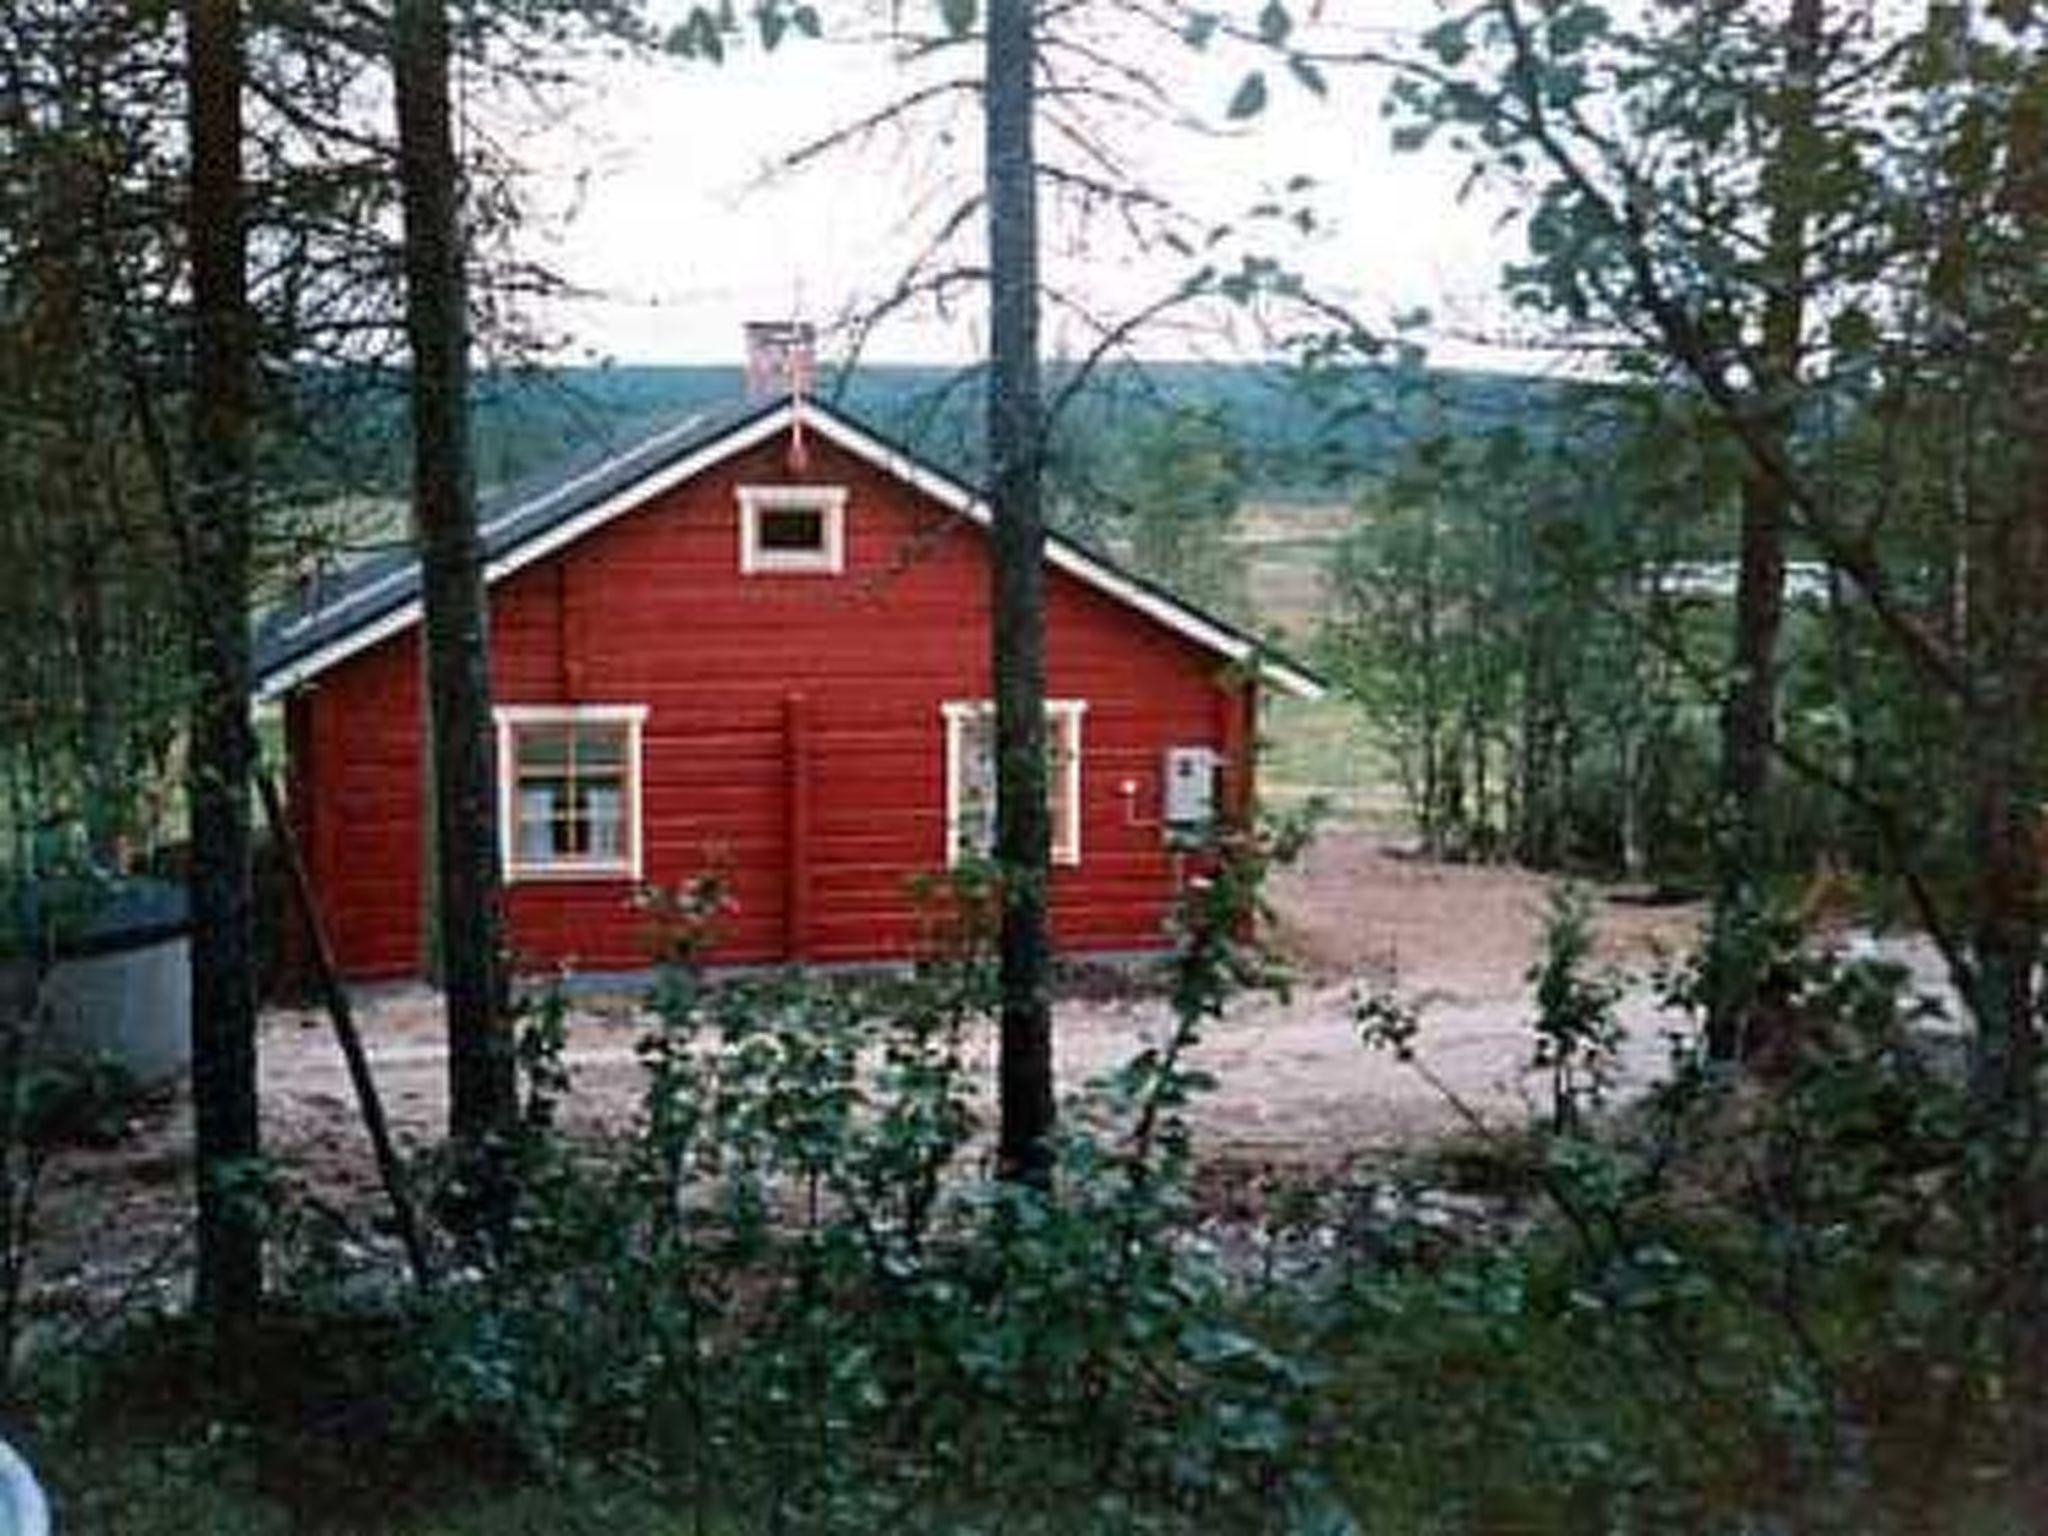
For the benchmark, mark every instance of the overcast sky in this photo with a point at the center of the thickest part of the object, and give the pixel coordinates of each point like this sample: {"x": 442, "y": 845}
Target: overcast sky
{"x": 655, "y": 177}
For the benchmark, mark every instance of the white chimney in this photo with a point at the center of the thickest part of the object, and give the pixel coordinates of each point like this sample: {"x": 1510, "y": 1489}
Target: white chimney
{"x": 781, "y": 357}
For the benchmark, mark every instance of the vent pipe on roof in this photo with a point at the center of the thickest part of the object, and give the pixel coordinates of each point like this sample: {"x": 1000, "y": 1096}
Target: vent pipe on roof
{"x": 781, "y": 357}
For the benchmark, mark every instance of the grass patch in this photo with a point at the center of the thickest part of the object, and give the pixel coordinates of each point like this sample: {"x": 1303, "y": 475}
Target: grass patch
{"x": 1327, "y": 748}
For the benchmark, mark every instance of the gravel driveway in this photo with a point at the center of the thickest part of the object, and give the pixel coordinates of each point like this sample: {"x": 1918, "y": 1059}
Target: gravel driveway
{"x": 1295, "y": 1083}
{"x": 1296, "y": 1088}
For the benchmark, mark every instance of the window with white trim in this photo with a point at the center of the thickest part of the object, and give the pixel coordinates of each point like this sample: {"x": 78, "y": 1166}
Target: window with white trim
{"x": 792, "y": 528}
{"x": 569, "y": 790}
{"x": 971, "y": 778}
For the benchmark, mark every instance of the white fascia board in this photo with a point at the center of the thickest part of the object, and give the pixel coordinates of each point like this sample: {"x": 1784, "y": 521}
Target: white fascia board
{"x": 556, "y": 492}
{"x": 343, "y": 646}
{"x": 1074, "y": 562}
{"x": 287, "y": 678}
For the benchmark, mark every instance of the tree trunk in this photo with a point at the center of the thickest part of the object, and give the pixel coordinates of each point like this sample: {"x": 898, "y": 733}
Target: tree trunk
{"x": 98, "y": 733}
{"x": 226, "y": 1127}
{"x": 1017, "y": 597}
{"x": 2006, "y": 628}
{"x": 2009, "y": 769}
{"x": 1749, "y": 714}
{"x": 1532, "y": 839}
{"x": 1634, "y": 857}
{"x": 1481, "y": 838}
{"x": 2007, "y": 751}
{"x": 1433, "y": 773}
{"x": 482, "y": 1086}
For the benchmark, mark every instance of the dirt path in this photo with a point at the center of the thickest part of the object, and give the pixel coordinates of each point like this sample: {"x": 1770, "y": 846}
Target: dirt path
{"x": 1296, "y": 1087}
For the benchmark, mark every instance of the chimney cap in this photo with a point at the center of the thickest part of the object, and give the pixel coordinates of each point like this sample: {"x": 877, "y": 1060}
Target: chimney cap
{"x": 781, "y": 355}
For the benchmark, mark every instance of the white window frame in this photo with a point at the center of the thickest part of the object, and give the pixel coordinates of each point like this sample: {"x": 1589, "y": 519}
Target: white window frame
{"x": 510, "y": 718}
{"x": 827, "y": 500}
{"x": 1063, "y": 716}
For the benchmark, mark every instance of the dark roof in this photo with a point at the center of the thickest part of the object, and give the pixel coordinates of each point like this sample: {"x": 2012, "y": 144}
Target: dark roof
{"x": 332, "y": 606}
{"x": 328, "y": 612}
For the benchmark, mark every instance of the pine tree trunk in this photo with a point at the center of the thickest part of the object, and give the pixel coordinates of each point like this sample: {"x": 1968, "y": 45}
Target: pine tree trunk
{"x": 1434, "y": 775}
{"x": 1015, "y": 427}
{"x": 2008, "y": 765}
{"x": 226, "y": 1126}
{"x": 1749, "y": 714}
{"x": 98, "y": 733}
{"x": 482, "y": 1087}
{"x": 2006, "y": 760}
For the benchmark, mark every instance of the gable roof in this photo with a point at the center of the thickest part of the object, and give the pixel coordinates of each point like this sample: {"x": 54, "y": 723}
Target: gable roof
{"x": 380, "y": 597}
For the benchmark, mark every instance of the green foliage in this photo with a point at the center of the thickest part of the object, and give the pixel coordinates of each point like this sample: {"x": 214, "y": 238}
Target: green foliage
{"x": 1510, "y": 613}
{"x": 540, "y": 1044}
{"x": 1578, "y": 1038}
{"x": 1824, "y": 227}
{"x": 1249, "y": 100}
{"x": 84, "y": 1102}
{"x": 1292, "y": 437}
{"x": 709, "y": 31}
{"x": 959, "y": 16}
{"x": 1733, "y": 1307}
{"x": 791, "y": 1298}
{"x": 1162, "y": 492}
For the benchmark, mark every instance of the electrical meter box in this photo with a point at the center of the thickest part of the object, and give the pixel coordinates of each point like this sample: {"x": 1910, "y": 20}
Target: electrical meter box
{"x": 1191, "y": 774}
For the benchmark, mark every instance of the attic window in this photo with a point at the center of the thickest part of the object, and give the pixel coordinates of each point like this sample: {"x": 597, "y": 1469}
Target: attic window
{"x": 792, "y": 528}
{"x": 569, "y": 791}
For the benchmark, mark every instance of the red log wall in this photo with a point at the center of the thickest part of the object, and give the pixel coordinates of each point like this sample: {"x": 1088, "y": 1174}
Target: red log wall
{"x": 794, "y": 740}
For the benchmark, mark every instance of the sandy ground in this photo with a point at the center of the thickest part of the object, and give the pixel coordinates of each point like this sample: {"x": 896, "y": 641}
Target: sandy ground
{"x": 1296, "y": 1087}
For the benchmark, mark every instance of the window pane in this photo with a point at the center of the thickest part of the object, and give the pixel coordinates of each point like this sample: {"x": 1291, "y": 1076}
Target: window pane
{"x": 977, "y": 833}
{"x": 570, "y": 793}
{"x": 974, "y": 786}
{"x": 601, "y": 748}
{"x": 790, "y": 530}
{"x": 572, "y": 836}
{"x": 542, "y": 749}
{"x": 536, "y": 840}
{"x": 604, "y": 807}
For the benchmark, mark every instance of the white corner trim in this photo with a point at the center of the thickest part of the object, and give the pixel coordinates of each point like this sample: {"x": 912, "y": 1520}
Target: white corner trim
{"x": 827, "y": 500}
{"x": 506, "y": 718}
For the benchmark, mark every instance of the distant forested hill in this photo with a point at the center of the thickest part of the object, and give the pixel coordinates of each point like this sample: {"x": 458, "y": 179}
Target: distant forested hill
{"x": 1298, "y": 439}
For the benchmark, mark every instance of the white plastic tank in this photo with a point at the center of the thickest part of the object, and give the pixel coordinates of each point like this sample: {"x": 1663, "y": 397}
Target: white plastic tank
{"x": 119, "y": 985}
{"x": 23, "y": 1510}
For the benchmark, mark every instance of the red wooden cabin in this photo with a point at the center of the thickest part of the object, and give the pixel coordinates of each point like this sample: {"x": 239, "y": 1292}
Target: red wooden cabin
{"x": 756, "y": 646}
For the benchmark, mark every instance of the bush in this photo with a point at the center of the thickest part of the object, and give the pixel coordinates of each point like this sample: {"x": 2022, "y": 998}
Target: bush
{"x": 793, "y": 1299}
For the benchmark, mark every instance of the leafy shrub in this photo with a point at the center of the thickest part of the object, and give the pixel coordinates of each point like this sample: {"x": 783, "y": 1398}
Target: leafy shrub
{"x": 795, "y": 1292}
{"x": 1578, "y": 1039}
{"x": 792, "y": 1298}
{"x": 1750, "y": 1302}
